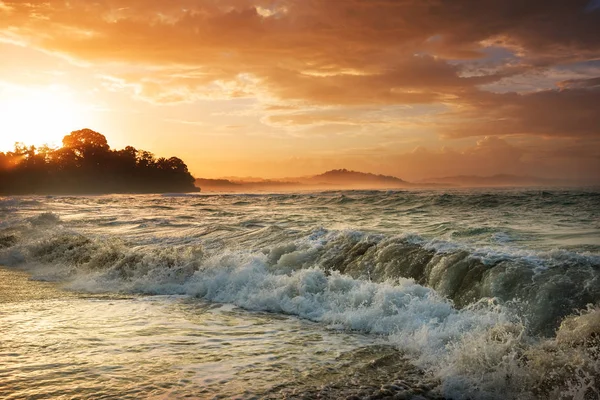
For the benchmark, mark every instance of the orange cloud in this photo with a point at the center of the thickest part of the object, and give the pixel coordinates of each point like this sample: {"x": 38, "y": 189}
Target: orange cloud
{"x": 300, "y": 58}
{"x": 570, "y": 112}
{"x": 304, "y": 49}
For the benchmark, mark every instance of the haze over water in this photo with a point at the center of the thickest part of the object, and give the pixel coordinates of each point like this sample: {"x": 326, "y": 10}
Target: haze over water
{"x": 463, "y": 294}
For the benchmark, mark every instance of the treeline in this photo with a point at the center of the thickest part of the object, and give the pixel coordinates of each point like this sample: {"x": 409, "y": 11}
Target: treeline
{"x": 85, "y": 164}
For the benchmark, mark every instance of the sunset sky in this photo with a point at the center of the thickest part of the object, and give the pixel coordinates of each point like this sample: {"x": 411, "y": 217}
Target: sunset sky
{"x": 412, "y": 88}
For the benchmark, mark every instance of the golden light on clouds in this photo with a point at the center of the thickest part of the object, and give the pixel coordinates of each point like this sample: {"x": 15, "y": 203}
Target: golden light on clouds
{"x": 313, "y": 84}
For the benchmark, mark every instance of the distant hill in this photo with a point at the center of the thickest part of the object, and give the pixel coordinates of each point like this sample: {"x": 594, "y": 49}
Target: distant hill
{"x": 340, "y": 179}
{"x": 353, "y": 179}
{"x": 495, "y": 180}
{"x": 336, "y": 179}
{"x": 233, "y": 185}
{"x": 217, "y": 183}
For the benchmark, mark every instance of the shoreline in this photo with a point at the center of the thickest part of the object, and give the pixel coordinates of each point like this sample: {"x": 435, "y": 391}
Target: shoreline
{"x": 377, "y": 372}
{"x": 17, "y": 286}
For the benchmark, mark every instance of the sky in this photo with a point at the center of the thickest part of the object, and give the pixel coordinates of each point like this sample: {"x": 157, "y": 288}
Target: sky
{"x": 279, "y": 88}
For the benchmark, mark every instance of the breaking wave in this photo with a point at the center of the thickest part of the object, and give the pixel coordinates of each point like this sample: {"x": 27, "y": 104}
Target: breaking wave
{"x": 485, "y": 325}
{"x": 489, "y": 311}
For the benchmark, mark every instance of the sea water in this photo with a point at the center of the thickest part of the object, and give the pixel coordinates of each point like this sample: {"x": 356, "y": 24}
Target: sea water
{"x": 462, "y": 294}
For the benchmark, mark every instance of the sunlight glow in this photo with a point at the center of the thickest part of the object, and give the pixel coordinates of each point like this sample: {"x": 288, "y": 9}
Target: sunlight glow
{"x": 38, "y": 116}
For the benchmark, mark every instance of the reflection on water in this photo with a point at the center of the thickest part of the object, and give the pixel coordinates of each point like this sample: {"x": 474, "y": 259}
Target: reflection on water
{"x": 56, "y": 344}
{"x": 470, "y": 294}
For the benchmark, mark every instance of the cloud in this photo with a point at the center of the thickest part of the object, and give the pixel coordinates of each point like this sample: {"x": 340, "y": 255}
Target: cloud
{"x": 569, "y": 112}
{"x": 354, "y": 53}
{"x": 493, "y": 155}
{"x": 305, "y": 48}
{"x": 489, "y": 156}
{"x": 592, "y": 83}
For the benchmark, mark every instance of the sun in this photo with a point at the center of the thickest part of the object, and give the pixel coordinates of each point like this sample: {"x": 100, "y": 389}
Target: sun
{"x": 37, "y": 117}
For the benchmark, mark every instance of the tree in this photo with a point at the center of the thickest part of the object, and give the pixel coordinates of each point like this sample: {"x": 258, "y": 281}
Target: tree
{"x": 177, "y": 165}
{"x": 145, "y": 159}
{"x": 86, "y": 164}
{"x": 86, "y": 142}
{"x": 125, "y": 159}
{"x": 90, "y": 147}
{"x": 64, "y": 159}
{"x": 5, "y": 161}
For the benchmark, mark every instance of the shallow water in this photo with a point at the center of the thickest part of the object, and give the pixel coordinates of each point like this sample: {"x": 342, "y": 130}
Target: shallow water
{"x": 462, "y": 294}
{"x": 76, "y": 345}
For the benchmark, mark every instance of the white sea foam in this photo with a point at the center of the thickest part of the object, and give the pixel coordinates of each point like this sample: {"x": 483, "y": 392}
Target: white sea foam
{"x": 482, "y": 351}
{"x": 243, "y": 250}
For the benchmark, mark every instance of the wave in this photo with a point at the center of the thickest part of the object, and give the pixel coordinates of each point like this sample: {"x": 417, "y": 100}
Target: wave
{"x": 44, "y": 219}
{"x": 8, "y": 204}
{"x": 543, "y": 287}
{"x": 484, "y": 323}
{"x": 463, "y": 199}
{"x": 180, "y": 195}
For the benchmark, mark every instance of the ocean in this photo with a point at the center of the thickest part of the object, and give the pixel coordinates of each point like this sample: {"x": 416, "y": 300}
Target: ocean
{"x": 423, "y": 294}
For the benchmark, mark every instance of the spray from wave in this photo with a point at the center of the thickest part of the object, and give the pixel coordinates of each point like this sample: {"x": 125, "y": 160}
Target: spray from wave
{"x": 484, "y": 325}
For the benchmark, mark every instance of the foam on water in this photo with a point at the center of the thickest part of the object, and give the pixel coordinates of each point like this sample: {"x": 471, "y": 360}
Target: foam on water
{"x": 486, "y": 320}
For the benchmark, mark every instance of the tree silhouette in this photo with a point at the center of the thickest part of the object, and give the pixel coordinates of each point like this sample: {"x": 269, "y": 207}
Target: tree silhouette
{"x": 86, "y": 164}
{"x": 85, "y": 141}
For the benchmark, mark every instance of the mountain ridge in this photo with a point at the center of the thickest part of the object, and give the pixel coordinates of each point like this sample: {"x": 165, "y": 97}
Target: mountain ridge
{"x": 332, "y": 179}
{"x": 339, "y": 179}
